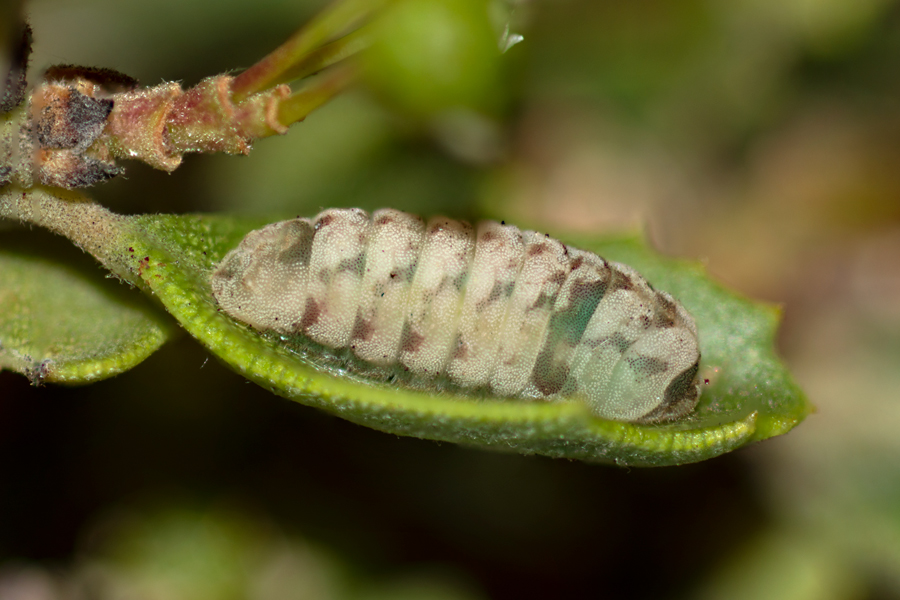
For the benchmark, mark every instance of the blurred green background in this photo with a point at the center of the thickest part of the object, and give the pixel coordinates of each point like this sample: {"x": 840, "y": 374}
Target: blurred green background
{"x": 760, "y": 137}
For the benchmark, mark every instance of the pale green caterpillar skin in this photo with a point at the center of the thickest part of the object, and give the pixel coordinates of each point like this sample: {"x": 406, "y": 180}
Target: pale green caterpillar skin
{"x": 490, "y": 308}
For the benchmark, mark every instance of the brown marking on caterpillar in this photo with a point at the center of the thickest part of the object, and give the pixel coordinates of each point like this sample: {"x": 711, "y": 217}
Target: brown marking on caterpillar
{"x": 680, "y": 396}
{"x": 550, "y": 380}
{"x": 586, "y": 290}
{"x": 459, "y": 282}
{"x": 410, "y": 341}
{"x": 311, "y": 314}
{"x": 362, "y": 329}
{"x": 460, "y": 349}
{"x": 667, "y": 313}
{"x": 558, "y": 278}
{"x": 544, "y": 300}
{"x": 537, "y": 249}
{"x": 648, "y": 365}
{"x": 324, "y": 221}
{"x": 355, "y": 265}
{"x": 621, "y": 281}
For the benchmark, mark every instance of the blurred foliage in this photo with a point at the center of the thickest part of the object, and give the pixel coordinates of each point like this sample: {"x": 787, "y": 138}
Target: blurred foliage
{"x": 214, "y": 554}
{"x": 760, "y": 136}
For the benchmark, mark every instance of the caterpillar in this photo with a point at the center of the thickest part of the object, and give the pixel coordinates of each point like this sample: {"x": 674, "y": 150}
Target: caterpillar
{"x": 485, "y": 309}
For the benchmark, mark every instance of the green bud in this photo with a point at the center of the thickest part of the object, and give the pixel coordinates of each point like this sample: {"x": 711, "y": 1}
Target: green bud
{"x": 431, "y": 56}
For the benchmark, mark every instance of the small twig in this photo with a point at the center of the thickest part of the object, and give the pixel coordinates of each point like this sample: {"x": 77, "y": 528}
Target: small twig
{"x": 78, "y": 121}
{"x": 339, "y": 18}
{"x": 301, "y": 103}
{"x": 328, "y": 55}
{"x": 89, "y": 225}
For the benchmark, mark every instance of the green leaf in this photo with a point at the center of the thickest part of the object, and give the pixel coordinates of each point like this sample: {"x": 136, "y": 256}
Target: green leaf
{"x": 63, "y": 321}
{"x": 750, "y": 395}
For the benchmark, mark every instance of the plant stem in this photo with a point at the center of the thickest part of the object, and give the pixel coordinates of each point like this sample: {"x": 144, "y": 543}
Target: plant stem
{"x": 301, "y": 103}
{"x": 340, "y": 17}
{"x": 328, "y": 55}
{"x": 89, "y": 225}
